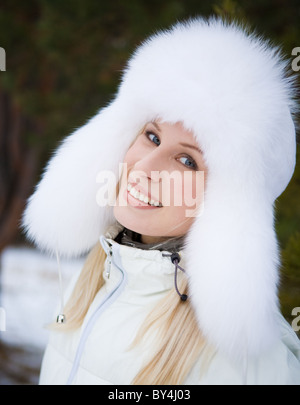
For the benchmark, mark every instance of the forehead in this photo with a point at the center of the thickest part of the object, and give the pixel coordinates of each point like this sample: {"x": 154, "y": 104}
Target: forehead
{"x": 176, "y": 130}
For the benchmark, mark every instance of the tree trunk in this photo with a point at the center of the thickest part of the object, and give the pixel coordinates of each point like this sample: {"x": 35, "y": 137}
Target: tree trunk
{"x": 17, "y": 168}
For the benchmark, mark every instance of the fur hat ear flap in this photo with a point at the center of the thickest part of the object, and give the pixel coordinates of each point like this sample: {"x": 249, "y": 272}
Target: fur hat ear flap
{"x": 64, "y": 213}
{"x": 239, "y": 250}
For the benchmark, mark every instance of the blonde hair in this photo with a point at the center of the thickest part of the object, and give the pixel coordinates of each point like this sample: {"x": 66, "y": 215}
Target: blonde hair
{"x": 179, "y": 341}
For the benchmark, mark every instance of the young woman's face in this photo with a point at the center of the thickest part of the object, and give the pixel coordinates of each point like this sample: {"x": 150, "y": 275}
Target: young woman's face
{"x": 162, "y": 184}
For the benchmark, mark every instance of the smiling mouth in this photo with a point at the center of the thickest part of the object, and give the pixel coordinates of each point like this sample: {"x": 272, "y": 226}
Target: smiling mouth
{"x": 139, "y": 196}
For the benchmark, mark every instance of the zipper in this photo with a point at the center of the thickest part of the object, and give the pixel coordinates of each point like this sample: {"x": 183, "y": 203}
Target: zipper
{"x": 108, "y": 261}
{"x": 107, "y": 301}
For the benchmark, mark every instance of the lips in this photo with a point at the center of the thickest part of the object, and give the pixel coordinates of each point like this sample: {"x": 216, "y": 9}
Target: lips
{"x": 143, "y": 198}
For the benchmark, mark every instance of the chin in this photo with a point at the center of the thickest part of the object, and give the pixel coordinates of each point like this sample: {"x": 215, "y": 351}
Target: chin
{"x": 128, "y": 219}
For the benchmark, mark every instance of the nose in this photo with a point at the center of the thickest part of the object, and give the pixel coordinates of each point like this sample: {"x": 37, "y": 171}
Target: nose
{"x": 151, "y": 164}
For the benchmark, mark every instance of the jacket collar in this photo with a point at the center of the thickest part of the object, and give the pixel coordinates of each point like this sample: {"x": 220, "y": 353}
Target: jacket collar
{"x": 147, "y": 271}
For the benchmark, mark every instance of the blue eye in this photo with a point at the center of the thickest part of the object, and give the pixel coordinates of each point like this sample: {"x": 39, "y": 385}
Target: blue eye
{"x": 153, "y": 138}
{"x": 189, "y": 162}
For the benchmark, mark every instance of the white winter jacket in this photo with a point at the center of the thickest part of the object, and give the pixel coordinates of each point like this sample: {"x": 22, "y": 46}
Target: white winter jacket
{"x": 98, "y": 352}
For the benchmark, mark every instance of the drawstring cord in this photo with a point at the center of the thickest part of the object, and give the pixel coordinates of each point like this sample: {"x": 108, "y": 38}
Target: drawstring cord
{"x": 175, "y": 259}
{"x": 61, "y": 318}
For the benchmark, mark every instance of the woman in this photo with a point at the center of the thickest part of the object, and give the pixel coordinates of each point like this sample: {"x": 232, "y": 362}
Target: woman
{"x": 182, "y": 288}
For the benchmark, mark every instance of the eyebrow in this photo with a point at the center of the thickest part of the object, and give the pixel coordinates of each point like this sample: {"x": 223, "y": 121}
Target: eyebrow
{"x": 156, "y": 125}
{"x": 187, "y": 145}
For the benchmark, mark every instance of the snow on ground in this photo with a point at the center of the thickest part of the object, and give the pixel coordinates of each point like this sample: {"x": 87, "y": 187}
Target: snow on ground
{"x": 29, "y": 294}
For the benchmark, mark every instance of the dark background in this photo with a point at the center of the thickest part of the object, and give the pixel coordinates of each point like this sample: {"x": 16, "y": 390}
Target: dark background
{"x": 63, "y": 62}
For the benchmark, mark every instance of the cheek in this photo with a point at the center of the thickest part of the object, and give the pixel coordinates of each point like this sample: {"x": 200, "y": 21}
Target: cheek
{"x": 135, "y": 152}
{"x": 129, "y": 158}
{"x": 185, "y": 189}
{"x": 134, "y": 155}
{"x": 194, "y": 186}
{"x": 129, "y": 161}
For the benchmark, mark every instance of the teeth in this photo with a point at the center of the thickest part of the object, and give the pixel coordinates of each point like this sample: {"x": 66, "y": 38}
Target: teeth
{"x": 140, "y": 196}
{"x": 133, "y": 192}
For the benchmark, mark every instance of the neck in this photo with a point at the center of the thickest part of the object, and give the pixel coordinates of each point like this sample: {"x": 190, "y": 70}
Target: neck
{"x": 130, "y": 238}
{"x": 152, "y": 239}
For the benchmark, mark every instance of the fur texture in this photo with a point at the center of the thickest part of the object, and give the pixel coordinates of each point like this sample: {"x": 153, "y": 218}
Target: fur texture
{"x": 231, "y": 89}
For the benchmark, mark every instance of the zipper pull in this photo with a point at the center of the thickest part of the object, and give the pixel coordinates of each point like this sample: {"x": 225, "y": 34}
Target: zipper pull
{"x": 108, "y": 265}
{"x": 107, "y": 246}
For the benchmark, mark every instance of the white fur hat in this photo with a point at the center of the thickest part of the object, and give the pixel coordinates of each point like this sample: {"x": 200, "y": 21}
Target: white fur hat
{"x": 231, "y": 89}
